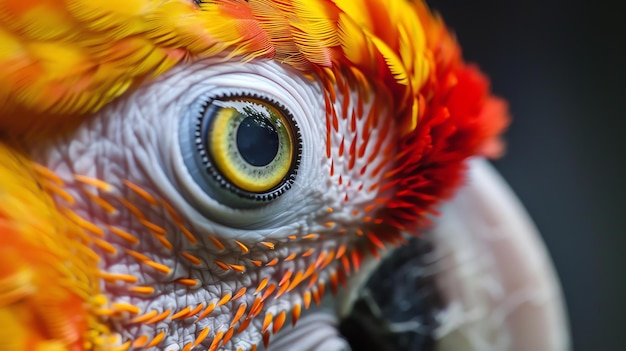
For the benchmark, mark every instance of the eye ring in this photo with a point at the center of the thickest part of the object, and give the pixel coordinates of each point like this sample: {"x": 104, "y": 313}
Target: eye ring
{"x": 216, "y": 174}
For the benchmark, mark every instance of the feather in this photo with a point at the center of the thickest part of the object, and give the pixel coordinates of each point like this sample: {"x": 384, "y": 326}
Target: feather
{"x": 48, "y": 283}
{"x": 87, "y": 52}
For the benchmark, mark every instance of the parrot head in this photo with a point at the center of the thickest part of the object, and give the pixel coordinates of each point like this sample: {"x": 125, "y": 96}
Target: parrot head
{"x": 186, "y": 175}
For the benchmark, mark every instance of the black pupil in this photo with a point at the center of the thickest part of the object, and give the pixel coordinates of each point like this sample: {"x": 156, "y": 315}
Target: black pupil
{"x": 257, "y": 141}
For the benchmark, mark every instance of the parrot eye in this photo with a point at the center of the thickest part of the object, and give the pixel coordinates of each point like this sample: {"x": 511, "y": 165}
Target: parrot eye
{"x": 245, "y": 147}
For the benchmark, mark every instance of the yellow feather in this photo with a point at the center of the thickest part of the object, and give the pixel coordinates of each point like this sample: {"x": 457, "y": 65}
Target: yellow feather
{"x": 357, "y": 10}
{"x": 356, "y": 46}
{"x": 315, "y": 30}
{"x": 275, "y": 21}
{"x": 395, "y": 63}
{"x": 48, "y": 275}
{"x": 86, "y": 53}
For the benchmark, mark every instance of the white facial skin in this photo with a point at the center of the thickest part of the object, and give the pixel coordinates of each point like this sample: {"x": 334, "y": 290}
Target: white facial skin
{"x": 181, "y": 270}
{"x": 136, "y": 139}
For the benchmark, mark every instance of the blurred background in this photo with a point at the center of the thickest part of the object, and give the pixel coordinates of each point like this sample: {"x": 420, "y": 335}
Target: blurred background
{"x": 561, "y": 65}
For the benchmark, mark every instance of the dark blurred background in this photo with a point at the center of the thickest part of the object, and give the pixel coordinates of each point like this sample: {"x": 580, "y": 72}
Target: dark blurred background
{"x": 562, "y": 67}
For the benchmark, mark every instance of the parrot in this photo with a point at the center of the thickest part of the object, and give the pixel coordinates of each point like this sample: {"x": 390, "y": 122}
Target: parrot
{"x": 248, "y": 174}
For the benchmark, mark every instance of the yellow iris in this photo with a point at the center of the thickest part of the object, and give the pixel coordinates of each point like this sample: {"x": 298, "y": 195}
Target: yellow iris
{"x": 250, "y": 142}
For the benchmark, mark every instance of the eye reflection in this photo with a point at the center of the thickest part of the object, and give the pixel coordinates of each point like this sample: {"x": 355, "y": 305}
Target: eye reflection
{"x": 257, "y": 141}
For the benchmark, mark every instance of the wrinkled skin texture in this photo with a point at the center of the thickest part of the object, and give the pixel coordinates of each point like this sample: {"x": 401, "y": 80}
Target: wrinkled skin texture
{"x": 147, "y": 155}
{"x": 136, "y": 245}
